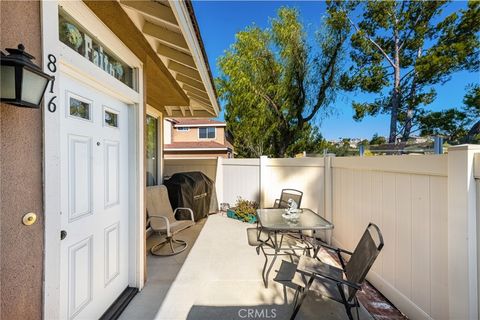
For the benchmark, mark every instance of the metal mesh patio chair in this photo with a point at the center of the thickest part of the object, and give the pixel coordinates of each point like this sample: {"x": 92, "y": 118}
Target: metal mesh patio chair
{"x": 162, "y": 221}
{"x": 295, "y": 195}
{"x": 334, "y": 283}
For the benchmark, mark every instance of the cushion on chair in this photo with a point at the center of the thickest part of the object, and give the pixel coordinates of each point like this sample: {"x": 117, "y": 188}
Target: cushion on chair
{"x": 158, "y": 204}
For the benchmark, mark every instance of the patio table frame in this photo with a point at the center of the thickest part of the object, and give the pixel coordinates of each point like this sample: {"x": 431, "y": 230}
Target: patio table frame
{"x": 272, "y": 222}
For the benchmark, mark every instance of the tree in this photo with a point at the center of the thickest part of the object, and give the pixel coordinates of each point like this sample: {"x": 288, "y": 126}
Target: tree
{"x": 274, "y": 85}
{"x": 400, "y": 49}
{"x": 456, "y": 124}
{"x": 376, "y": 140}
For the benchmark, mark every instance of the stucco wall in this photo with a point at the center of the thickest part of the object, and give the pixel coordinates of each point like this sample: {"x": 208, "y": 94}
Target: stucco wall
{"x": 21, "y": 247}
{"x": 192, "y": 135}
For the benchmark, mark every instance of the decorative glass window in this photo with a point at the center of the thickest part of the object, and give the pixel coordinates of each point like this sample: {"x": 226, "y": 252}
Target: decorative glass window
{"x": 79, "y": 108}
{"x": 206, "y": 133}
{"x": 111, "y": 118}
{"x": 152, "y": 151}
{"x": 183, "y": 129}
{"x": 76, "y": 37}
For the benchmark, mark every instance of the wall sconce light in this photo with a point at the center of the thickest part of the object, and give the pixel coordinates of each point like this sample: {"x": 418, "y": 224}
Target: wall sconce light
{"x": 22, "y": 82}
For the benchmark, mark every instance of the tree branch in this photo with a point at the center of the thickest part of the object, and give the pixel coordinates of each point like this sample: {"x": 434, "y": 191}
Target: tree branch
{"x": 325, "y": 83}
{"x": 374, "y": 43}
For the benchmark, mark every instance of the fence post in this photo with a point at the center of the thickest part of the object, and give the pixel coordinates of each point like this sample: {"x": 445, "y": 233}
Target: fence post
{"x": 219, "y": 180}
{"x": 462, "y": 233}
{"x": 328, "y": 193}
{"x": 263, "y": 180}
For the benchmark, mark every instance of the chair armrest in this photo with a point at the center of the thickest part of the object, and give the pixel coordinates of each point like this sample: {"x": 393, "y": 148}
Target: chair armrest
{"x": 338, "y": 251}
{"x": 188, "y": 209}
{"x": 167, "y": 223}
{"x": 319, "y": 269}
{"x": 323, "y": 244}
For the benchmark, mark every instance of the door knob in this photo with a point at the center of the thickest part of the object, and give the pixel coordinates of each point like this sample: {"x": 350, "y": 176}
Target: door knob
{"x": 63, "y": 234}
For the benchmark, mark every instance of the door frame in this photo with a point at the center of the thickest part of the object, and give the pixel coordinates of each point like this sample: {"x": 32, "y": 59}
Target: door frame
{"x": 81, "y": 69}
{"x": 151, "y": 111}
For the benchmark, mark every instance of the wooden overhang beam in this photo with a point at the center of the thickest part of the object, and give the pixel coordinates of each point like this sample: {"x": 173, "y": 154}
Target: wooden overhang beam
{"x": 175, "y": 55}
{"x": 164, "y": 35}
{"x": 153, "y": 10}
{"x": 184, "y": 70}
{"x": 197, "y": 104}
{"x": 193, "y": 83}
{"x": 195, "y": 91}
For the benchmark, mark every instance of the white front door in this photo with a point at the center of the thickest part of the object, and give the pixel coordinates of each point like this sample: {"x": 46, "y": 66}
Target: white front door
{"x": 94, "y": 199}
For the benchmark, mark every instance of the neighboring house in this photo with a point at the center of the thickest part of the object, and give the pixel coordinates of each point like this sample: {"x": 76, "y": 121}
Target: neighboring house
{"x": 196, "y": 138}
{"x": 78, "y": 163}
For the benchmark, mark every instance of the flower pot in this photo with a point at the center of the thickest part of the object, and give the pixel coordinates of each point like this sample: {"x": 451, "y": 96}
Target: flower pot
{"x": 249, "y": 219}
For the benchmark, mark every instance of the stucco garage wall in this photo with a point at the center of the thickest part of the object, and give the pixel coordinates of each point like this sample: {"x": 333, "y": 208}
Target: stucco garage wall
{"x": 21, "y": 247}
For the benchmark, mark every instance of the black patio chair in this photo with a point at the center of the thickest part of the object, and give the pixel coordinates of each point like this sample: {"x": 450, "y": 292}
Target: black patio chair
{"x": 334, "y": 283}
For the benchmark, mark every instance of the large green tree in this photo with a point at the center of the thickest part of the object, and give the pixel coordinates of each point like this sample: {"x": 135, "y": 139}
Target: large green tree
{"x": 401, "y": 50}
{"x": 274, "y": 85}
{"x": 458, "y": 125}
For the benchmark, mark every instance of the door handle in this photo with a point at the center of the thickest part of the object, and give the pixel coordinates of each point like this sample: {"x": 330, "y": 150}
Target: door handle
{"x": 63, "y": 234}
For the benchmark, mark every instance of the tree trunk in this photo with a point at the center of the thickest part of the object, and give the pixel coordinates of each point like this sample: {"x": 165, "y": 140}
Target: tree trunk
{"x": 396, "y": 92}
{"x": 411, "y": 106}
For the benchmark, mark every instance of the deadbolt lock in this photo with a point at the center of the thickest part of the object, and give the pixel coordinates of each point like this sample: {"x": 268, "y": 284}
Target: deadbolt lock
{"x": 29, "y": 219}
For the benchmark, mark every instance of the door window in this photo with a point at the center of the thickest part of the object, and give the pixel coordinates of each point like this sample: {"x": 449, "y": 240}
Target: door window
{"x": 111, "y": 118}
{"x": 79, "y": 107}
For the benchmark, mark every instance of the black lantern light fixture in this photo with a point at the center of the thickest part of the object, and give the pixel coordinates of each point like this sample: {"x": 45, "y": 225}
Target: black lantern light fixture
{"x": 23, "y": 83}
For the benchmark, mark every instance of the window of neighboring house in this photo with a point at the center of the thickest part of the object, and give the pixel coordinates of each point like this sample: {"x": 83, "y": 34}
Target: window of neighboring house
{"x": 152, "y": 151}
{"x": 206, "y": 133}
{"x": 183, "y": 129}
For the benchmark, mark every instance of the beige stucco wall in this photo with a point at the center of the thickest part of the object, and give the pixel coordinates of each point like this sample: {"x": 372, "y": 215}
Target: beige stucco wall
{"x": 21, "y": 247}
{"x": 192, "y": 135}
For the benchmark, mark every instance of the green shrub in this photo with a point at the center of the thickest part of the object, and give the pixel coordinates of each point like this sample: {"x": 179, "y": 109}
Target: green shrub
{"x": 245, "y": 208}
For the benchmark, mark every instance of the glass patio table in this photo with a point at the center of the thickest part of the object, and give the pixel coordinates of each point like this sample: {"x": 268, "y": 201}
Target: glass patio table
{"x": 275, "y": 222}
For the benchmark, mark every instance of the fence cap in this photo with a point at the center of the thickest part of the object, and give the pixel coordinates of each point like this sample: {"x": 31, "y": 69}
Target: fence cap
{"x": 464, "y": 147}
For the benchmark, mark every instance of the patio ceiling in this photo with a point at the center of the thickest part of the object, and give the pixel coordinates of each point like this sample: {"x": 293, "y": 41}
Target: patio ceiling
{"x": 172, "y": 31}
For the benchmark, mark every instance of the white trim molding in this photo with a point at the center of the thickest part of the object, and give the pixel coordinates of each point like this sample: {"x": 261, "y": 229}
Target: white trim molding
{"x": 186, "y": 26}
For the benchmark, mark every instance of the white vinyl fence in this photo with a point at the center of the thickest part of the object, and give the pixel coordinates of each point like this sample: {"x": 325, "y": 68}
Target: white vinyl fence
{"x": 425, "y": 205}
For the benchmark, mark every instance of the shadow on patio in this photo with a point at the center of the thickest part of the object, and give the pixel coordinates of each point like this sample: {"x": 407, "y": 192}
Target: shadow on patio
{"x": 219, "y": 277}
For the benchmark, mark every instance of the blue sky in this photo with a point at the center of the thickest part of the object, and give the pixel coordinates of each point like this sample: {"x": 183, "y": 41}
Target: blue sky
{"x": 220, "y": 20}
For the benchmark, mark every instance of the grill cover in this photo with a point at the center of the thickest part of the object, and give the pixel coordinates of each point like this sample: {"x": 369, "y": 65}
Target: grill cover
{"x": 192, "y": 190}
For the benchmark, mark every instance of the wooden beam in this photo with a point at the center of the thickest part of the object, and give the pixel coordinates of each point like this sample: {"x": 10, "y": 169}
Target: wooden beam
{"x": 152, "y": 9}
{"x": 198, "y": 114}
{"x": 175, "y": 55}
{"x": 193, "y": 90}
{"x": 165, "y": 35}
{"x": 193, "y": 83}
{"x": 200, "y": 99}
{"x": 169, "y": 110}
{"x": 191, "y": 110}
{"x": 183, "y": 111}
{"x": 184, "y": 70}
{"x": 195, "y": 103}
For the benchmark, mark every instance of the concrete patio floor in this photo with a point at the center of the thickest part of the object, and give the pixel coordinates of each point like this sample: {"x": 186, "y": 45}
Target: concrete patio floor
{"x": 220, "y": 279}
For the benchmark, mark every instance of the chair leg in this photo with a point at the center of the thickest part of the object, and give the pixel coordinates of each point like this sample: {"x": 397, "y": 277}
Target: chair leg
{"x": 349, "y": 311}
{"x": 302, "y": 297}
{"x": 182, "y": 245}
{"x": 298, "y": 303}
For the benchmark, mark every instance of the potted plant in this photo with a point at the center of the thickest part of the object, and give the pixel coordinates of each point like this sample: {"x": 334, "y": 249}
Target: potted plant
{"x": 244, "y": 210}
